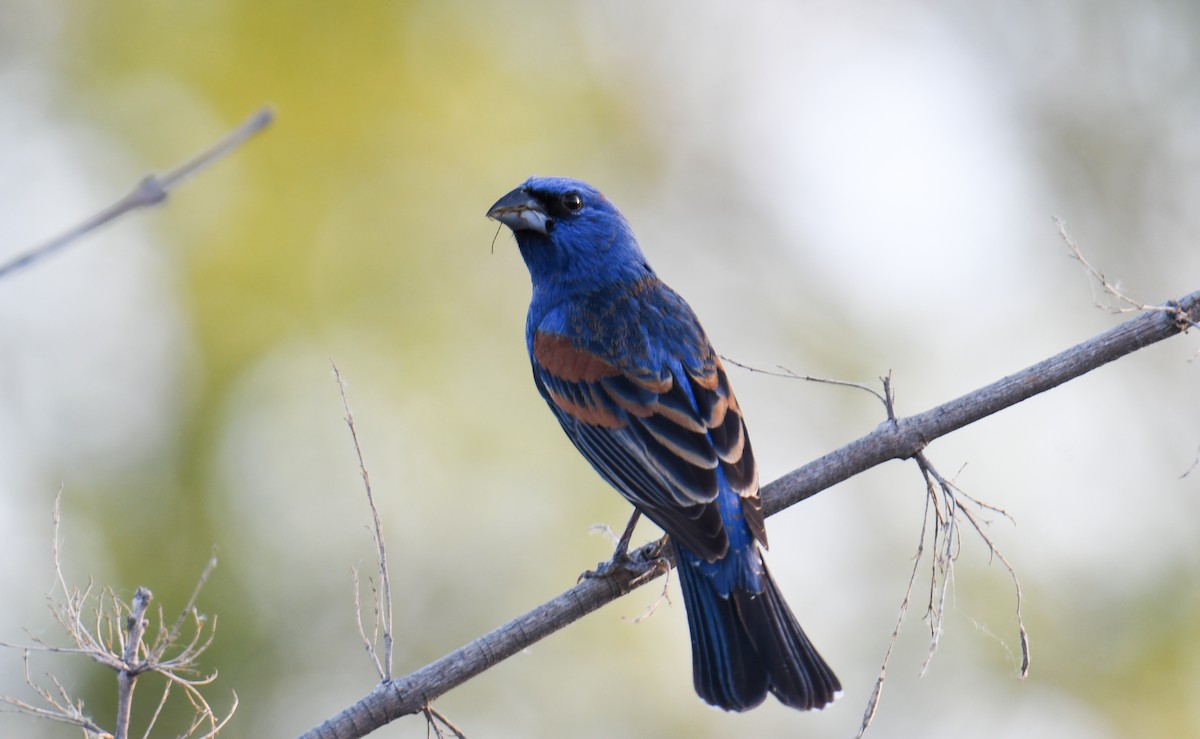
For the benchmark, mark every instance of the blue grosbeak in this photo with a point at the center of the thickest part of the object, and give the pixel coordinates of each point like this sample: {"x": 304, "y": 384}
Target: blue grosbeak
{"x": 626, "y": 368}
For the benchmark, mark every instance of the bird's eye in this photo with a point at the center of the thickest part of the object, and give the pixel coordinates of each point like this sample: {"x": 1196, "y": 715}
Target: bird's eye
{"x": 572, "y": 201}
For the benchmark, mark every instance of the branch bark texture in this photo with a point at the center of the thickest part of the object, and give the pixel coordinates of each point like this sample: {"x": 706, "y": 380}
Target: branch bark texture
{"x": 894, "y": 439}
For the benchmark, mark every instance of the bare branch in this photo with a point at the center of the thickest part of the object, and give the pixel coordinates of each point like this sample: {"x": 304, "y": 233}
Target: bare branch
{"x": 1195, "y": 463}
{"x": 383, "y": 598}
{"x": 942, "y": 507}
{"x": 790, "y": 375}
{"x": 215, "y": 726}
{"x": 149, "y": 192}
{"x": 938, "y": 486}
{"x": 663, "y": 595}
{"x": 903, "y": 438}
{"x": 117, "y": 640}
{"x": 62, "y": 708}
{"x": 881, "y": 678}
{"x": 171, "y": 636}
{"x": 128, "y": 675}
{"x": 434, "y": 721}
{"x": 162, "y": 701}
{"x": 898, "y": 438}
{"x": 1114, "y": 291}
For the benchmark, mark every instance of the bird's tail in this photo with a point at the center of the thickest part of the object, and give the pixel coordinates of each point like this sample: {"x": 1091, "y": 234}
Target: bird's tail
{"x": 747, "y": 643}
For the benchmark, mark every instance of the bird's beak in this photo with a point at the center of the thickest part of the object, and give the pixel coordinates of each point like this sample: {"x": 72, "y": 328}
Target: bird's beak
{"x": 520, "y": 211}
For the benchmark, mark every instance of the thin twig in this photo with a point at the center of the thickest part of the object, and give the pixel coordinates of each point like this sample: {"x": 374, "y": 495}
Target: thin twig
{"x": 1130, "y": 305}
{"x": 162, "y": 701}
{"x": 172, "y": 635}
{"x": 433, "y": 718}
{"x": 150, "y": 191}
{"x": 784, "y": 372}
{"x": 942, "y": 508}
{"x": 383, "y": 601}
{"x": 881, "y": 678}
{"x": 663, "y": 595}
{"x": 368, "y": 641}
{"x": 62, "y": 708}
{"x": 1195, "y": 463}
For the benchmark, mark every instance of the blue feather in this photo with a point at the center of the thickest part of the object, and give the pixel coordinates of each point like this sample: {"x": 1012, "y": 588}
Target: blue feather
{"x": 626, "y": 368}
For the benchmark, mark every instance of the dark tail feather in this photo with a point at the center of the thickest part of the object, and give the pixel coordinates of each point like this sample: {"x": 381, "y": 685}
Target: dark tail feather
{"x": 749, "y": 643}
{"x": 800, "y": 678}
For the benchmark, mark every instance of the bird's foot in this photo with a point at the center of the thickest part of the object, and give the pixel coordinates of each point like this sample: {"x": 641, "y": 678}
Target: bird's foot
{"x": 644, "y": 564}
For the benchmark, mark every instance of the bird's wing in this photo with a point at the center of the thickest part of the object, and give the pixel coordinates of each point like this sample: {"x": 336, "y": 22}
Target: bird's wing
{"x": 663, "y": 439}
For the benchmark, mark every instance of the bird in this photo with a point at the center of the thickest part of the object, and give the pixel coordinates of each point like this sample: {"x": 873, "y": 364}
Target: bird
{"x": 628, "y": 371}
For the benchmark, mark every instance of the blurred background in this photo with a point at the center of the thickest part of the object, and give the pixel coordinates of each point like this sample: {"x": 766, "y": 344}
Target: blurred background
{"x": 843, "y": 189}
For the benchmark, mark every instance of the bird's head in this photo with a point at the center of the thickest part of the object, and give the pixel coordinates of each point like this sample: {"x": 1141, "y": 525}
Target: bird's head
{"x": 569, "y": 234}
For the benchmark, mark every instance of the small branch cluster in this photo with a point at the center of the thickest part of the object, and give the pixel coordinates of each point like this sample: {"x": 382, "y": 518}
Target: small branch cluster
{"x": 944, "y": 507}
{"x": 1125, "y": 304}
{"x": 946, "y": 500}
{"x": 112, "y": 633}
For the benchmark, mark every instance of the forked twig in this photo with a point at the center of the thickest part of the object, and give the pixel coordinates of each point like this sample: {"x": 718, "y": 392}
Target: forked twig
{"x": 435, "y": 720}
{"x": 1172, "y": 308}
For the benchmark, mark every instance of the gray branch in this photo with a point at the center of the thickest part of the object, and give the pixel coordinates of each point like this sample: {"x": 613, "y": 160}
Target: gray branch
{"x": 135, "y": 626}
{"x": 148, "y": 192}
{"x": 894, "y": 439}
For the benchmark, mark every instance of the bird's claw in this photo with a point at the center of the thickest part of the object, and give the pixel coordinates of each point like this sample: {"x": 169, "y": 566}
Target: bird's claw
{"x": 621, "y": 562}
{"x": 644, "y": 564}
